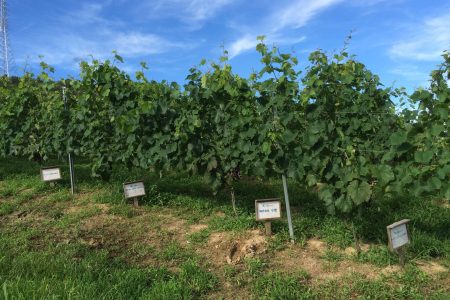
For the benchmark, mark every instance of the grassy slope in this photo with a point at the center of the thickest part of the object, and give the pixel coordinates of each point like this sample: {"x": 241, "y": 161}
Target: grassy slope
{"x": 96, "y": 246}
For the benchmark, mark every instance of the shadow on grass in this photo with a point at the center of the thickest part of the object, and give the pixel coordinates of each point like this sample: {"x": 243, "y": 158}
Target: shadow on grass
{"x": 430, "y": 223}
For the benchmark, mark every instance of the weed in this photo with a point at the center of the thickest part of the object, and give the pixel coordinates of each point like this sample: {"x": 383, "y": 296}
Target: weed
{"x": 229, "y": 223}
{"x": 334, "y": 231}
{"x": 255, "y": 266}
{"x": 277, "y": 285}
{"x": 7, "y": 208}
{"x": 230, "y": 271}
{"x": 123, "y": 210}
{"x": 175, "y": 253}
{"x": 73, "y": 218}
{"x": 377, "y": 255}
{"x": 332, "y": 255}
{"x": 41, "y": 258}
{"x": 279, "y": 240}
{"x": 200, "y": 237}
{"x": 196, "y": 278}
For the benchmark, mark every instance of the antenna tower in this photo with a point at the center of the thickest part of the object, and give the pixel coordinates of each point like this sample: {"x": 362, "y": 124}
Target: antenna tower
{"x": 5, "y": 52}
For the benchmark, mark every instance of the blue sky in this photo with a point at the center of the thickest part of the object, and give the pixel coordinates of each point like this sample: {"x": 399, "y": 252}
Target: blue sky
{"x": 399, "y": 40}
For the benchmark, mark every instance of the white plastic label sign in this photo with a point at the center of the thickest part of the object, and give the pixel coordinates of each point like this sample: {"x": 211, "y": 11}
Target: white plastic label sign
{"x": 134, "y": 189}
{"x": 399, "y": 236}
{"x": 268, "y": 209}
{"x": 51, "y": 174}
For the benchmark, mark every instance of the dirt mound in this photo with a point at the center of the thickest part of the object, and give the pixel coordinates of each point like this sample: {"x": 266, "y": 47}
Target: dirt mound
{"x": 223, "y": 248}
{"x": 316, "y": 245}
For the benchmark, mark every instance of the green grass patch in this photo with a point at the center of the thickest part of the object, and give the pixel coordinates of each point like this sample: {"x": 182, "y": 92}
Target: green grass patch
{"x": 232, "y": 223}
{"x": 74, "y": 218}
{"x": 175, "y": 253}
{"x": 380, "y": 256}
{"x": 411, "y": 284}
{"x": 200, "y": 237}
{"x": 275, "y": 285}
{"x": 74, "y": 270}
{"x": 123, "y": 210}
{"x": 34, "y": 264}
{"x": 331, "y": 255}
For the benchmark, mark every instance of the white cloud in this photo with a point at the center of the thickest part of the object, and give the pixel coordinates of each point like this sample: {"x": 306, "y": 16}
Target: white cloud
{"x": 204, "y": 9}
{"x": 91, "y": 14}
{"x": 89, "y": 33}
{"x": 245, "y": 43}
{"x": 249, "y": 42}
{"x": 294, "y": 15}
{"x": 411, "y": 73}
{"x": 368, "y": 3}
{"x": 88, "y": 13}
{"x": 425, "y": 43}
{"x": 192, "y": 12}
{"x": 298, "y": 13}
{"x": 136, "y": 43}
{"x": 67, "y": 48}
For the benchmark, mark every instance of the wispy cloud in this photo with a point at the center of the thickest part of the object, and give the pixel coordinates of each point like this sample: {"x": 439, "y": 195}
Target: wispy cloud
{"x": 294, "y": 15}
{"x": 249, "y": 42}
{"x": 368, "y": 3}
{"x": 193, "y": 12}
{"x": 89, "y": 33}
{"x": 204, "y": 9}
{"x": 136, "y": 43}
{"x": 89, "y": 13}
{"x": 67, "y": 48}
{"x": 241, "y": 45}
{"x": 298, "y": 13}
{"x": 426, "y": 42}
{"x": 411, "y": 73}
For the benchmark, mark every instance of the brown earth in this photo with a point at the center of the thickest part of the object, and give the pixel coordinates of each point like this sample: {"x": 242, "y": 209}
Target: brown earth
{"x": 431, "y": 267}
{"x": 224, "y": 248}
{"x": 157, "y": 228}
{"x": 295, "y": 259}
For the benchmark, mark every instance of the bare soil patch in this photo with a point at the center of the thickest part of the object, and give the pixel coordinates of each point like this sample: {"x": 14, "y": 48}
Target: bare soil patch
{"x": 351, "y": 251}
{"x": 197, "y": 227}
{"x": 175, "y": 224}
{"x": 296, "y": 259}
{"x": 157, "y": 229}
{"x": 224, "y": 248}
{"x": 389, "y": 270}
{"x": 445, "y": 204}
{"x": 431, "y": 267}
{"x": 315, "y": 245}
{"x": 104, "y": 208}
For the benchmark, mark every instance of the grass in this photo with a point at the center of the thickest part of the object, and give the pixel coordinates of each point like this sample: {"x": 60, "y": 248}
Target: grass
{"x": 275, "y": 285}
{"x": 75, "y": 271}
{"x": 411, "y": 284}
{"x": 123, "y": 210}
{"x": 174, "y": 253}
{"x": 377, "y": 255}
{"x": 200, "y": 237}
{"x": 332, "y": 256}
{"x": 95, "y": 245}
